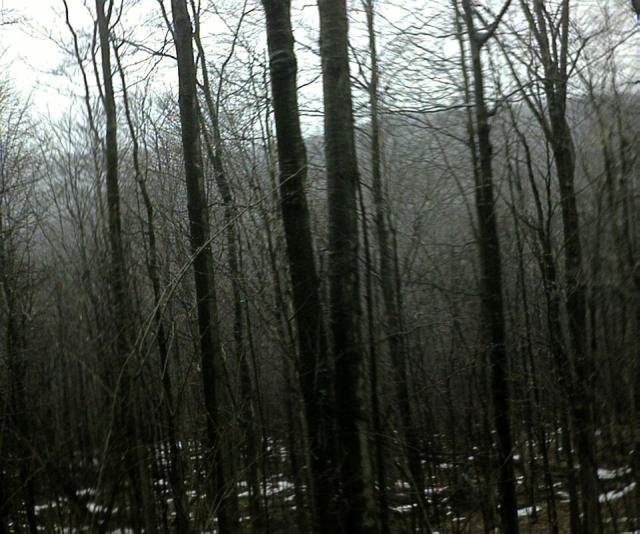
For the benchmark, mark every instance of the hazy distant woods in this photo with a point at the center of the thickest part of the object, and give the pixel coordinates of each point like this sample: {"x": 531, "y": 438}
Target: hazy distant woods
{"x": 353, "y": 267}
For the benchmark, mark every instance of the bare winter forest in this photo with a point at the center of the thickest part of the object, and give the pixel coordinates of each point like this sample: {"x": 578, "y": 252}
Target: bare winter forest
{"x": 322, "y": 266}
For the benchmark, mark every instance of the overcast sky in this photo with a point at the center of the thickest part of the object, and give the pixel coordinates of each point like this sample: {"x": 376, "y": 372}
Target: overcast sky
{"x": 28, "y": 56}
{"x": 32, "y": 60}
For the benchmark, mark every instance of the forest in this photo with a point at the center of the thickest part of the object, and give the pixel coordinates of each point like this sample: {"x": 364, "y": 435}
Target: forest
{"x": 329, "y": 267}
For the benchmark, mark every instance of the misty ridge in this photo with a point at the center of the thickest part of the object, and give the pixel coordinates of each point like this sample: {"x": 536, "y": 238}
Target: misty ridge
{"x": 342, "y": 266}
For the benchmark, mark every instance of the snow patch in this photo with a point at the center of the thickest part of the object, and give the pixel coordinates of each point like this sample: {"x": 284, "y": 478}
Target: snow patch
{"x": 528, "y": 511}
{"x": 96, "y": 508}
{"x": 611, "y": 474}
{"x": 614, "y": 495}
{"x": 404, "y": 508}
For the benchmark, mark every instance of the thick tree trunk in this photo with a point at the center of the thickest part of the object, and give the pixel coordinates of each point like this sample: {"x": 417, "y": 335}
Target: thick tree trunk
{"x": 344, "y": 288}
{"x": 312, "y": 345}
{"x": 222, "y": 498}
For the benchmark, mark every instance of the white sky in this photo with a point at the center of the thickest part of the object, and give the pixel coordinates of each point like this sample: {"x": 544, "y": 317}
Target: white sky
{"x": 31, "y": 59}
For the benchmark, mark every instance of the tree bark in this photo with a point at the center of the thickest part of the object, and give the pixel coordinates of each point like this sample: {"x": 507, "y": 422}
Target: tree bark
{"x": 344, "y": 288}
{"x": 214, "y": 147}
{"x": 554, "y": 50}
{"x": 222, "y": 497}
{"x": 376, "y": 418}
{"x": 314, "y": 371}
{"x": 491, "y": 285}
{"x": 128, "y": 430}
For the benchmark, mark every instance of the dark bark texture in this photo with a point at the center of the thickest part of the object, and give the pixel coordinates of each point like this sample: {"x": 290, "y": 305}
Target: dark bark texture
{"x": 313, "y": 367}
{"x": 493, "y": 319}
{"x": 207, "y": 308}
{"x": 344, "y": 288}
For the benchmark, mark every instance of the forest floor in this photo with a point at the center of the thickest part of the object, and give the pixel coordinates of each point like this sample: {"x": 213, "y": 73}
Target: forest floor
{"x": 451, "y": 509}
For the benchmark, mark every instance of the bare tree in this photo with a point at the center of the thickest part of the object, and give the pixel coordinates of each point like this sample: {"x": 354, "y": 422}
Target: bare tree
{"x": 491, "y": 270}
{"x": 127, "y": 420}
{"x": 344, "y": 287}
{"x": 314, "y": 369}
{"x": 551, "y": 33}
{"x": 222, "y": 497}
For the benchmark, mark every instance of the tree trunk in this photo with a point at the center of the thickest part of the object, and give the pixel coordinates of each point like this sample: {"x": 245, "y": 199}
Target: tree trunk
{"x": 222, "y": 498}
{"x": 313, "y": 367}
{"x": 344, "y": 291}
{"x": 128, "y": 431}
{"x": 378, "y": 431}
{"x": 247, "y": 410}
{"x": 554, "y": 49}
{"x": 392, "y": 312}
{"x": 581, "y": 400}
{"x": 15, "y": 345}
{"x": 491, "y": 287}
{"x": 176, "y": 469}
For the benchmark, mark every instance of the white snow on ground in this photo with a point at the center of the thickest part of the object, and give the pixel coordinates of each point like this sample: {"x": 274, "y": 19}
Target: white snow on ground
{"x": 623, "y": 519}
{"x": 45, "y": 506}
{"x": 279, "y": 486}
{"x": 610, "y": 474}
{"x": 98, "y": 508}
{"x": 404, "y": 508}
{"x": 614, "y": 495}
{"x": 526, "y": 512}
